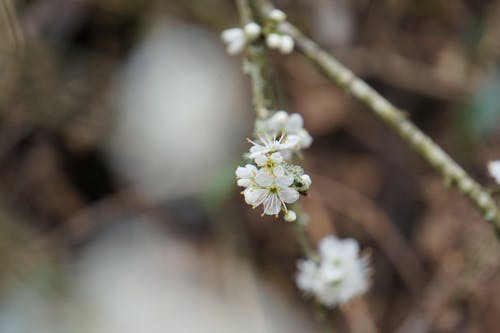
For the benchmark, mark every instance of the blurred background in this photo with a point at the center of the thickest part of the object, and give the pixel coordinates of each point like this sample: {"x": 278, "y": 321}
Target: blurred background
{"x": 121, "y": 125}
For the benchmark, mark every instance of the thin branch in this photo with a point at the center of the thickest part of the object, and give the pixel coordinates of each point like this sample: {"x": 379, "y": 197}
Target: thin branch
{"x": 395, "y": 118}
{"x": 255, "y": 65}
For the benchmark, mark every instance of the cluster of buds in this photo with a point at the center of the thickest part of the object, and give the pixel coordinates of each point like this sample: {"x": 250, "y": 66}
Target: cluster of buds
{"x": 270, "y": 178}
{"x": 236, "y": 39}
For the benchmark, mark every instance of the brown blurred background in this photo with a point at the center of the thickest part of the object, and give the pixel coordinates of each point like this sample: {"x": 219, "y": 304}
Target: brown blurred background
{"x": 121, "y": 124}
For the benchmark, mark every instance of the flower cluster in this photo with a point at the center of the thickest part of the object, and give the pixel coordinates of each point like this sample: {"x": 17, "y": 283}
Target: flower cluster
{"x": 494, "y": 169}
{"x": 270, "y": 179}
{"x": 236, "y": 38}
{"x": 339, "y": 275}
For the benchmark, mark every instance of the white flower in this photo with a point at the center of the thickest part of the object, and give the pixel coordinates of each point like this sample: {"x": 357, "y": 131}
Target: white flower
{"x": 271, "y": 145}
{"x": 277, "y": 15}
{"x": 340, "y": 274}
{"x": 235, "y": 40}
{"x": 494, "y": 169}
{"x": 291, "y": 125}
{"x": 246, "y": 175}
{"x": 271, "y": 190}
{"x": 252, "y": 30}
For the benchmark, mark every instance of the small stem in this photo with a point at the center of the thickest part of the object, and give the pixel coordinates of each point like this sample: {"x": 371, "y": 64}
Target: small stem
{"x": 254, "y": 65}
{"x": 395, "y": 118}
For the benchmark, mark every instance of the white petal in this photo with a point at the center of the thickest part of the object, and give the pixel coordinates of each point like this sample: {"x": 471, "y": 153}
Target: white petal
{"x": 247, "y": 171}
{"x": 289, "y": 195}
{"x": 276, "y": 157}
{"x": 294, "y": 123}
{"x": 272, "y": 205}
{"x": 305, "y": 139}
{"x": 230, "y": 35}
{"x": 258, "y": 150}
{"x": 284, "y": 181}
{"x": 278, "y": 171}
{"x": 244, "y": 182}
{"x": 291, "y": 141}
{"x": 277, "y": 121}
{"x": 255, "y": 196}
{"x": 264, "y": 178}
{"x": 261, "y": 159}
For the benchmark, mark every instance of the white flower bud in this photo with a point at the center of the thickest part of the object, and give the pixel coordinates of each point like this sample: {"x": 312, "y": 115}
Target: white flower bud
{"x": 494, "y": 170}
{"x": 273, "y": 41}
{"x": 230, "y": 35}
{"x": 290, "y": 216}
{"x": 286, "y": 44}
{"x": 252, "y": 30}
{"x": 306, "y": 180}
{"x": 277, "y": 15}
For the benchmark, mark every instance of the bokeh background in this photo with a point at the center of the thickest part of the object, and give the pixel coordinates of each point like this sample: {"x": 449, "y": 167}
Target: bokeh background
{"x": 121, "y": 125}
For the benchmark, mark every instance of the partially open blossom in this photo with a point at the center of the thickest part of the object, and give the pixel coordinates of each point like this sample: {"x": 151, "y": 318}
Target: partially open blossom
{"x": 494, "y": 170}
{"x": 339, "y": 275}
{"x": 291, "y": 125}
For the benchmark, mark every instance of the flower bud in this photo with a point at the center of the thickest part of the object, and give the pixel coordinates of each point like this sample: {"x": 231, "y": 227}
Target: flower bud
{"x": 290, "y": 216}
{"x": 306, "y": 180}
{"x": 286, "y": 44}
{"x": 252, "y": 30}
{"x": 277, "y": 15}
{"x": 273, "y": 41}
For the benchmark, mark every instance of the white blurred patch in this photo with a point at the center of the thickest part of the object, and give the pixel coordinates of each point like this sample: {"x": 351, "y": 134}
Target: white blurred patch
{"x": 182, "y": 109}
{"x": 135, "y": 279}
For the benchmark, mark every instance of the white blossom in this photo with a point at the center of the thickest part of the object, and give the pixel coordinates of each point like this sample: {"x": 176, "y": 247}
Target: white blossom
{"x": 273, "y": 191}
{"x": 494, "y": 170}
{"x": 271, "y": 144}
{"x": 246, "y": 175}
{"x": 339, "y": 275}
{"x": 291, "y": 125}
